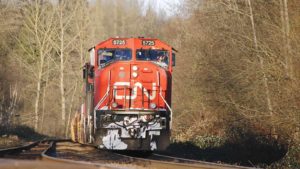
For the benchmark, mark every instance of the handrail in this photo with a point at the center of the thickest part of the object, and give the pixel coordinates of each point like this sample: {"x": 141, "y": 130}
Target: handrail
{"x": 160, "y": 93}
{"x": 101, "y": 101}
{"x": 98, "y": 105}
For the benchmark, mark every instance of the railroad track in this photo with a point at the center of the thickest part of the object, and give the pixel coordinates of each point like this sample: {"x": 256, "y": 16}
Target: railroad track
{"x": 28, "y": 152}
{"x": 66, "y": 153}
{"x": 168, "y": 162}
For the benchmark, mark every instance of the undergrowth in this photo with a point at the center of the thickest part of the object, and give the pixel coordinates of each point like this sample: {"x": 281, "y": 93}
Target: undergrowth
{"x": 247, "y": 149}
{"x": 291, "y": 159}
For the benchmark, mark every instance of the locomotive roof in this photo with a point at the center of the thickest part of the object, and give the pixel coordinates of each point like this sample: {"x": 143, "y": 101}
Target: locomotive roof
{"x": 140, "y": 38}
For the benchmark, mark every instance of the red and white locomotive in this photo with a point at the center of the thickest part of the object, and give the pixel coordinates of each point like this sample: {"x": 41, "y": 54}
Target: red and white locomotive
{"x": 128, "y": 85}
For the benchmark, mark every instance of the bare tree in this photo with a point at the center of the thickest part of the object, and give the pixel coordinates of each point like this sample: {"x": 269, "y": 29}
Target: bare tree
{"x": 284, "y": 15}
{"x": 47, "y": 74}
{"x": 8, "y": 107}
{"x": 72, "y": 28}
{"x": 37, "y": 47}
{"x": 62, "y": 30}
{"x": 261, "y": 61}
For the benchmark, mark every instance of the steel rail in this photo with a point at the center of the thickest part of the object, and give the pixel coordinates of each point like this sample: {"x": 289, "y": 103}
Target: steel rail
{"x": 19, "y": 149}
{"x": 171, "y": 163}
{"x": 49, "y": 155}
{"x": 29, "y": 146}
{"x": 189, "y": 164}
{"x": 165, "y": 162}
{"x": 183, "y": 160}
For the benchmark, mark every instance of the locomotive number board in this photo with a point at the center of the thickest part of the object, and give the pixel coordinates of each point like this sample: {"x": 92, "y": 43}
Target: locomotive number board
{"x": 119, "y": 42}
{"x": 148, "y": 43}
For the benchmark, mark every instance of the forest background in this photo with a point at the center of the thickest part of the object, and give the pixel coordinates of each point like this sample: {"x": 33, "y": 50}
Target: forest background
{"x": 237, "y": 75}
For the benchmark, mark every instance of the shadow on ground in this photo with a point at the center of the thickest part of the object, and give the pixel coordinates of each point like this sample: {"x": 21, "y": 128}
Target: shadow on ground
{"x": 22, "y": 132}
{"x": 247, "y": 153}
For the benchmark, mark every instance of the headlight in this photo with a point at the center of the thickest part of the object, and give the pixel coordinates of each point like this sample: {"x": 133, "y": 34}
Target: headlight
{"x": 135, "y": 68}
{"x": 134, "y": 74}
{"x": 152, "y": 105}
{"x": 114, "y": 105}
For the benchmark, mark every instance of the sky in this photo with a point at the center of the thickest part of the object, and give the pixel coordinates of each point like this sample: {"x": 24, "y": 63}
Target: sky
{"x": 166, "y": 5}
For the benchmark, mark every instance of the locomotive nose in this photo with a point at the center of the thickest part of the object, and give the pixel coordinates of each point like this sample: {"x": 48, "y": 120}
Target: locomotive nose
{"x": 134, "y": 86}
{"x": 144, "y": 82}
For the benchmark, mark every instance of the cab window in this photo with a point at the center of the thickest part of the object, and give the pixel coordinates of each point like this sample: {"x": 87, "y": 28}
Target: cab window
{"x": 160, "y": 57}
{"x": 106, "y": 56}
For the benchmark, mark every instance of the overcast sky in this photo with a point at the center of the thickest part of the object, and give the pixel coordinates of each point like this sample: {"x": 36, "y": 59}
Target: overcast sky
{"x": 166, "y": 5}
{"x": 169, "y": 6}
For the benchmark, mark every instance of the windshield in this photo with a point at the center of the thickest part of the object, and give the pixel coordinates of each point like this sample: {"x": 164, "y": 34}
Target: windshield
{"x": 108, "y": 55}
{"x": 158, "y": 56}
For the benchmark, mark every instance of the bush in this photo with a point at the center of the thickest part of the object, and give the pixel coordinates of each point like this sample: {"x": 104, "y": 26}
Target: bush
{"x": 291, "y": 159}
{"x": 208, "y": 141}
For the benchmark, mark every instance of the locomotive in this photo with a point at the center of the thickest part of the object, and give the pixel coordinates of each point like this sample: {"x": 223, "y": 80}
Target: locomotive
{"x": 127, "y": 95}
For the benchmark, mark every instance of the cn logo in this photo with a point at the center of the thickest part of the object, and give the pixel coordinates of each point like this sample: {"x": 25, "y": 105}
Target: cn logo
{"x": 134, "y": 90}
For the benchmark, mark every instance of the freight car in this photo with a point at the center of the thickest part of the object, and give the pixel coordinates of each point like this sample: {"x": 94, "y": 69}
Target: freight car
{"x": 127, "y": 95}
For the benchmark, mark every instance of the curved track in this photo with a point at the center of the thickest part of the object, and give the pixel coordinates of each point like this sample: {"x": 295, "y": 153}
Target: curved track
{"x": 66, "y": 153}
{"x": 28, "y": 152}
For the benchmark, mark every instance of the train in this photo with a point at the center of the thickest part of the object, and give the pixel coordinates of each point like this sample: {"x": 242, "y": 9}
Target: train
{"x": 127, "y": 95}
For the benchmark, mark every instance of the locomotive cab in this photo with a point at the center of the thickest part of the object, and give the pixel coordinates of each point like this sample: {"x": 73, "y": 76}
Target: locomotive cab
{"x": 128, "y": 95}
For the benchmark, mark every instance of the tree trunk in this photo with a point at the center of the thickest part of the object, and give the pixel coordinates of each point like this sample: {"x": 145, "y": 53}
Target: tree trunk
{"x": 261, "y": 62}
{"x": 287, "y": 37}
{"x": 40, "y": 67}
{"x": 71, "y": 109}
{"x": 38, "y": 91}
{"x": 44, "y": 96}
{"x": 284, "y": 16}
{"x": 62, "y": 87}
